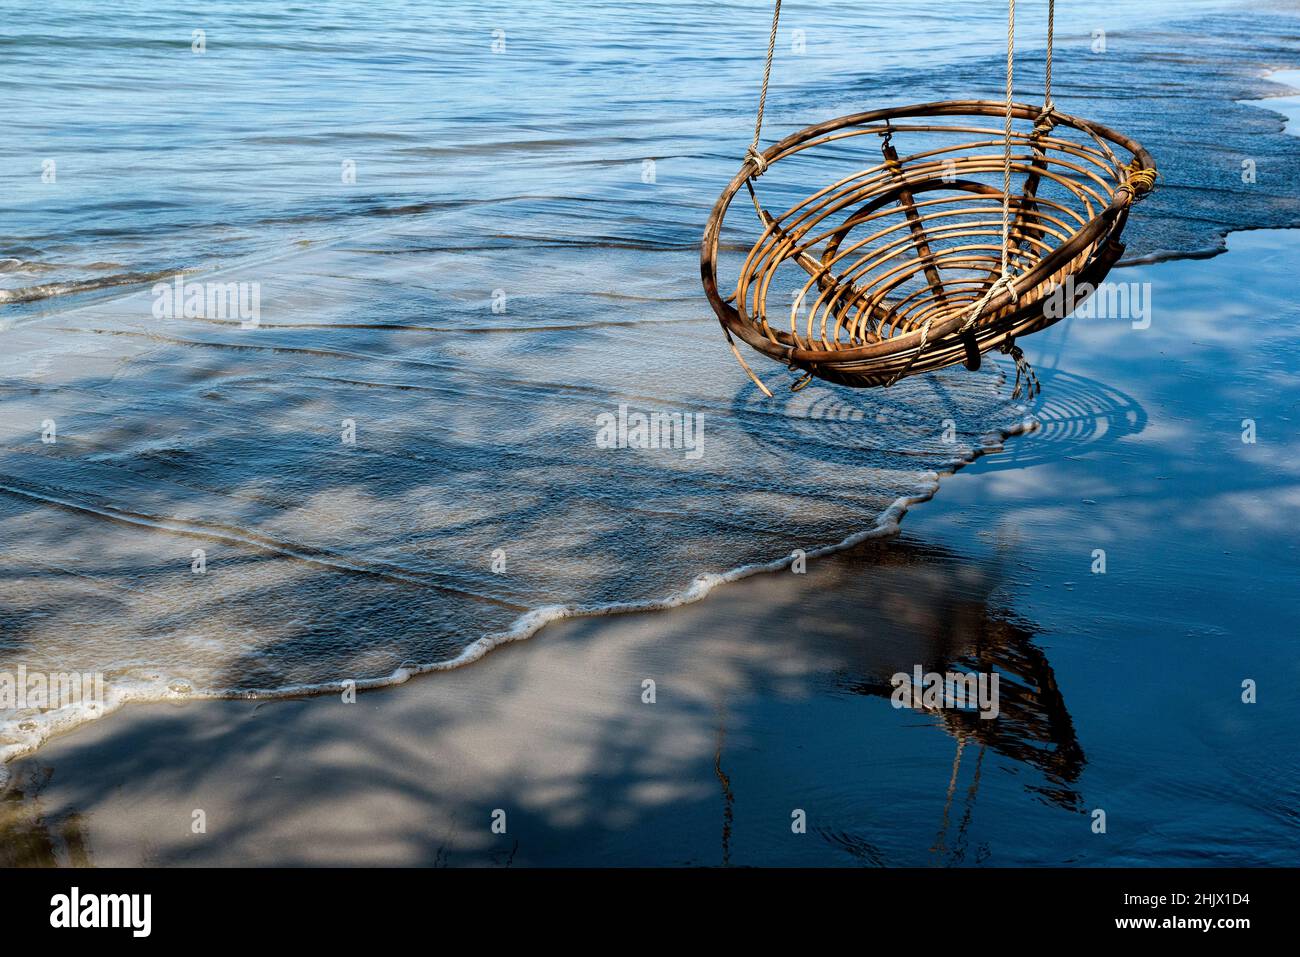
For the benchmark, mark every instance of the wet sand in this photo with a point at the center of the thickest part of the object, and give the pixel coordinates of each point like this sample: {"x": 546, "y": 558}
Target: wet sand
{"x": 1121, "y": 691}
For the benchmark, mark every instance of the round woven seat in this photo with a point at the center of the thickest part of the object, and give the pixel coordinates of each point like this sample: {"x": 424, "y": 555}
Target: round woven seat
{"x": 876, "y": 250}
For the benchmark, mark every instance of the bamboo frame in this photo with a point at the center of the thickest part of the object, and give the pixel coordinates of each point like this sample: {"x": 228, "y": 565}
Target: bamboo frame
{"x": 896, "y": 254}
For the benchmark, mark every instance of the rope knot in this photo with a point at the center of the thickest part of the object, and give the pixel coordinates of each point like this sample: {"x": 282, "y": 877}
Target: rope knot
{"x": 1139, "y": 182}
{"x": 1047, "y": 119}
{"x": 758, "y": 159}
{"x": 1003, "y": 281}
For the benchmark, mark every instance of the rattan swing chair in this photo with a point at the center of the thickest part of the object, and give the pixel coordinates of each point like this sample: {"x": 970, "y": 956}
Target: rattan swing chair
{"x": 923, "y": 259}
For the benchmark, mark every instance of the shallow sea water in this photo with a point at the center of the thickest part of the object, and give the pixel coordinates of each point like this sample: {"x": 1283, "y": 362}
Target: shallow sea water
{"x": 498, "y": 277}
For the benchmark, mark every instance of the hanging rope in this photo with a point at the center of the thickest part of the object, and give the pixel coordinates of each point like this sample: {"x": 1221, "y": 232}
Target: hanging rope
{"x": 1004, "y": 280}
{"x": 752, "y": 153}
{"x": 1047, "y": 116}
{"x": 1006, "y": 154}
{"x": 1048, "y": 105}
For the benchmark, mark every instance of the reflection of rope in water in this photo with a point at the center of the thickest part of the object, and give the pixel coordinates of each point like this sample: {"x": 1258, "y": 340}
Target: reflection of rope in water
{"x": 940, "y": 845}
{"x": 939, "y": 842}
{"x": 728, "y": 799}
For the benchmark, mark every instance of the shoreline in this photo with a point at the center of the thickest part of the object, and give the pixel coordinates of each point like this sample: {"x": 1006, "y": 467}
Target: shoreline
{"x": 533, "y": 620}
{"x": 771, "y": 684}
{"x": 525, "y": 627}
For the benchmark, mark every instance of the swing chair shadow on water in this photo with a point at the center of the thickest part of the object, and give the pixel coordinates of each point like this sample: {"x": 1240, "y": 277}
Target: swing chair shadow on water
{"x": 928, "y": 246}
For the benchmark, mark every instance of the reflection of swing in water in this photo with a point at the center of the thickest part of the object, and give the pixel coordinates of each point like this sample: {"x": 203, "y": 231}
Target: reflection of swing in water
{"x": 854, "y": 622}
{"x": 896, "y": 605}
{"x": 1033, "y": 726}
{"x": 922, "y": 260}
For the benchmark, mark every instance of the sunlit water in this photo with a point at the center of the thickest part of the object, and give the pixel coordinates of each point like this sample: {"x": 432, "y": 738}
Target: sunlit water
{"x": 474, "y": 232}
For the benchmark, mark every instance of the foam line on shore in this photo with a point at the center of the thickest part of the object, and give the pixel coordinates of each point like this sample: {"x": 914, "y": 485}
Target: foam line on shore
{"x": 34, "y": 731}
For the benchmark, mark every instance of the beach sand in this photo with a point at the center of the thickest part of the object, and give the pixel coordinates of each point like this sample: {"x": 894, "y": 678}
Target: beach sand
{"x": 1122, "y": 691}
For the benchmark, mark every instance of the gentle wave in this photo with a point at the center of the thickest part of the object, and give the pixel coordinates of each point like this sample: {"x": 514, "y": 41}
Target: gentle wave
{"x": 54, "y": 290}
{"x": 27, "y": 733}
